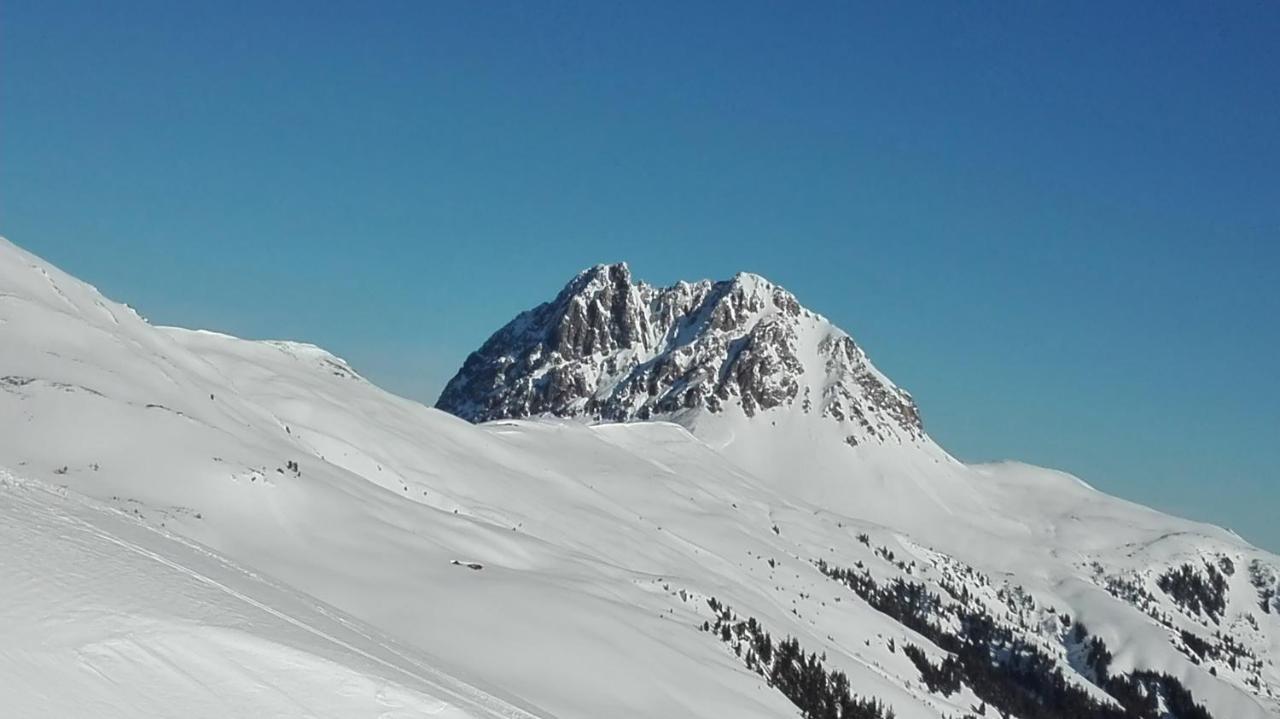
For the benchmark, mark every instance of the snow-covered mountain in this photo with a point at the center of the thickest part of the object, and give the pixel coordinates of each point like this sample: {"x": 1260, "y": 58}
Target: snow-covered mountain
{"x": 610, "y": 349}
{"x": 200, "y": 525}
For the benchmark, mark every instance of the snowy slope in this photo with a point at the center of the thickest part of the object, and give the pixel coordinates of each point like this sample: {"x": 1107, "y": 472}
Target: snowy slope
{"x": 599, "y": 545}
{"x": 107, "y": 617}
{"x": 785, "y": 395}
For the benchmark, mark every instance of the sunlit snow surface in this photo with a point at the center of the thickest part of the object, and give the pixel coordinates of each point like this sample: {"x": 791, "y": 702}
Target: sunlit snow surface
{"x": 107, "y": 617}
{"x": 161, "y": 556}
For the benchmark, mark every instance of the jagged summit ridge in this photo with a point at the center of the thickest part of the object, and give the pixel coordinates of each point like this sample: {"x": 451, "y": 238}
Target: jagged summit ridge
{"x": 608, "y": 348}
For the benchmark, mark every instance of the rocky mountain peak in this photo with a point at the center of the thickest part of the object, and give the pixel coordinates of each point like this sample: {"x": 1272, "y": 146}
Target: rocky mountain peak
{"x": 608, "y": 348}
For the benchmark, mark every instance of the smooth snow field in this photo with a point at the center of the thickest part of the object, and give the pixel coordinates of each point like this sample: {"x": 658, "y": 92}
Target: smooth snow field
{"x": 106, "y": 617}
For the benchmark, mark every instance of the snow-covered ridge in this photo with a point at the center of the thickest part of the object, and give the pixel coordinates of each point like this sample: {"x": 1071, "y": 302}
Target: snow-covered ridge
{"x": 611, "y": 349}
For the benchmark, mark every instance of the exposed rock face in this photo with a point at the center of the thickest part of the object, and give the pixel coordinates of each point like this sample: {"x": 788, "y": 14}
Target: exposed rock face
{"x": 610, "y": 349}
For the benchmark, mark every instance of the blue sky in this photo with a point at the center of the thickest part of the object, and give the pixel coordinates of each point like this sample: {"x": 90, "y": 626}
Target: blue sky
{"x": 1055, "y": 223}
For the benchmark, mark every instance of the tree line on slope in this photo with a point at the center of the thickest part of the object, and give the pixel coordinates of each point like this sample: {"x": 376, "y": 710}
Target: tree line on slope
{"x": 1194, "y": 588}
{"x": 1008, "y": 673}
{"x": 802, "y": 678}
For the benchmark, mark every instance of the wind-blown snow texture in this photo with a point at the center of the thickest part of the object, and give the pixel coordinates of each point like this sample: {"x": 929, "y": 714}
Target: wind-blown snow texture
{"x": 199, "y": 525}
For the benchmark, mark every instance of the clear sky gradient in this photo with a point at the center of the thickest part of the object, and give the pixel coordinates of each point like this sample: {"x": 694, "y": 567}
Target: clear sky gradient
{"x": 1057, "y": 224}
